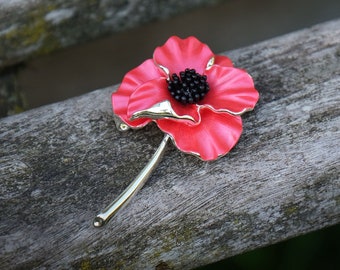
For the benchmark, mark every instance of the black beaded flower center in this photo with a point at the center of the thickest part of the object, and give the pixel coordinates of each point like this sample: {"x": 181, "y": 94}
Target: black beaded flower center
{"x": 189, "y": 87}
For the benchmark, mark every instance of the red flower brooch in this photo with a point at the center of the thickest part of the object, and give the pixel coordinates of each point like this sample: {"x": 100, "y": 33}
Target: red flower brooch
{"x": 194, "y": 96}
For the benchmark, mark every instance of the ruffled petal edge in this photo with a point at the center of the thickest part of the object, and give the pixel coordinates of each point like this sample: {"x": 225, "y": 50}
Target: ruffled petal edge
{"x": 231, "y": 90}
{"x": 223, "y": 60}
{"x": 132, "y": 80}
{"x": 214, "y": 136}
{"x": 178, "y": 54}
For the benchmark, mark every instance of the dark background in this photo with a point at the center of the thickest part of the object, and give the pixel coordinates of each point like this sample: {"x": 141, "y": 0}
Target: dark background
{"x": 225, "y": 26}
{"x": 229, "y": 25}
{"x": 317, "y": 250}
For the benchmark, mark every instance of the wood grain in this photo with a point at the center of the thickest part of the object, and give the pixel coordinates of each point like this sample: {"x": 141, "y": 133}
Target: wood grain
{"x": 61, "y": 163}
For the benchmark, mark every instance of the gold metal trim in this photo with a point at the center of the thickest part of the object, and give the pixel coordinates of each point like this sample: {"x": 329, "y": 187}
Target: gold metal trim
{"x": 210, "y": 63}
{"x": 160, "y": 110}
{"x": 164, "y": 69}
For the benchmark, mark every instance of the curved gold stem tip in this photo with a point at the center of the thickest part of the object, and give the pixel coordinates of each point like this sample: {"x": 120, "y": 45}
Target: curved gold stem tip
{"x": 102, "y": 218}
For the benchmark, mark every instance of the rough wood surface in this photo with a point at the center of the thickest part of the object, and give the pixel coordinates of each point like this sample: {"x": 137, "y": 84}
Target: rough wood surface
{"x": 61, "y": 163}
{"x": 33, "y": 27}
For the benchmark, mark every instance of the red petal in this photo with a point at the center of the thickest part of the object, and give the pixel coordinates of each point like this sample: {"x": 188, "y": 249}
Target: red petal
{"x": 213, "y": 137}
{"x": 230, "y": 89}
{"x": 178, "y": 54}
{"x": 154, "y": 92}
{"x": 222, "y": 60}
{"x": 133, "y": 79}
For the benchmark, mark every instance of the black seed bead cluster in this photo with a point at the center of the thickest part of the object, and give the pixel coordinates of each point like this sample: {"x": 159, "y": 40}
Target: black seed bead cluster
{"x": 189, "y": 87}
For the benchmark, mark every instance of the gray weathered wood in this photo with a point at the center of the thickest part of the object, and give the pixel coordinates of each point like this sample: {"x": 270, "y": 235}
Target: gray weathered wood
{"x": 61, "y": 163}
{"x": 34, "y": 27}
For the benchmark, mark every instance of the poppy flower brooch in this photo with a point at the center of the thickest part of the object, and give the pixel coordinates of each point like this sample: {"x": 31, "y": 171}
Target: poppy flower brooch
{"x": 194, "y": 96}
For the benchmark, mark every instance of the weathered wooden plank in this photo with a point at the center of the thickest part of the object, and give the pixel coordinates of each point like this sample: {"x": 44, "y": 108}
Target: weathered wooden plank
{"x": 61, "y": 163}
{"x": 29, "y": 28}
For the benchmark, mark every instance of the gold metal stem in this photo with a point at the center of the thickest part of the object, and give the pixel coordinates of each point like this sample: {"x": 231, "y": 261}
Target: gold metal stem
{"x": 102, "y": 218}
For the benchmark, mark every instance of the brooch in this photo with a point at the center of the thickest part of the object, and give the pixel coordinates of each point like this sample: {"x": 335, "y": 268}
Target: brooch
{"x": 194, "y": 96}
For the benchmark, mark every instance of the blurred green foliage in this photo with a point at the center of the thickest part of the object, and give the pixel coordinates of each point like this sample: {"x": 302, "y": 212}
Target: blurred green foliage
{"x": 12, "y": 100}
{"x": 316, "y": 250}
